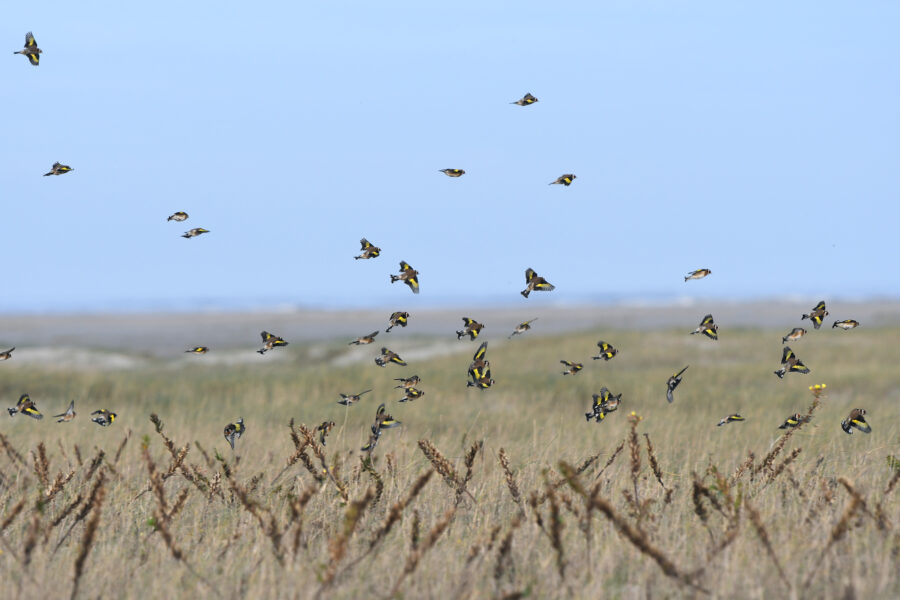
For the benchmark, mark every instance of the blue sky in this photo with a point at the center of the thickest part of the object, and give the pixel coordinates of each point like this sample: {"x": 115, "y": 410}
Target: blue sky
{"x": 757, "y": 140}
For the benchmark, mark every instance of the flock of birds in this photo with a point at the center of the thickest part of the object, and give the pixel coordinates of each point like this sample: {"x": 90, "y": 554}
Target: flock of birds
{"x": 479, "y": 371}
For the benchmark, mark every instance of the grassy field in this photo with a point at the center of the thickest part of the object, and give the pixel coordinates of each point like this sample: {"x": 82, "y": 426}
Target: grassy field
{"x": 528, "y": 499}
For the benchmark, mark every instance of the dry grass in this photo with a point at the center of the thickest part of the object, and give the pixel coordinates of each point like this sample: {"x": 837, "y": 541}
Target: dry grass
{"x": 531, "y": 501}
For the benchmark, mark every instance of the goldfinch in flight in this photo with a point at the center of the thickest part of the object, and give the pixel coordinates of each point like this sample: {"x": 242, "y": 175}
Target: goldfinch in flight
{"x": 606, "y": 351}
{"x": 382, "y": 421}
{"x": 795, "y": 334}
{"x": 698, "y": 274}
{"x": 846, "y": 324}
{"x": 324, "y": 429}
{"x": 198, "y": 350}
{"x": 59, "y": 169}
{"x": 730, "y": 419}
{"x": 407, "y": 382}
{"x": 411, "y": 394}
{"x": 178, "y": 216}
{"x": 363, "y": 340}
{"x": 397, "y": 318}
{"x": 471, "y": 328}
{"x": 368, "y": 250}
{"x": 672, "y": 383}
{"x": 817, "y": 314}
{"x": 534, "y": 282}
{"x": 522, "y": 328}
{"x": 604, "y": 403}
{"x": 708, "y": 328}
{"x": 351, "y": 399}
{"x": 234, "y": 431}
{"x": 565, "y": 180}
{"x": 270, "y": 341}
{"x": 31, "y": 50}
{"x": 571, "y": 367}
{"x": 795, "y": 420}
{"x": 484, "y": 380}
{"x": 68, "y": 415}
{"x": 453, "y": 172}
{"x": 526, "y": 100}
{"x": 790, "y": 364}
{"x": 407, "y": 275}
{"x": 857, "y": 419}
{"x": 104, "y": 417}
{"x": 194, "y": 232}
{"x": 388, "y": 357}
{"x": 479, "y": 363}
{"x": 7, "y": 354}
{"x": 25, "y": 406}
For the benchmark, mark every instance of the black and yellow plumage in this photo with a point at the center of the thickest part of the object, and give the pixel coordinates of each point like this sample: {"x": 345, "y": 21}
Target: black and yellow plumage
{"x": 795, "y": 420}
{"x": 607, "y": 351}
{"x": 59, "y": 169}
{"x": 368, "y": 250}
{"x": 571, "y": 367}
{"x": 382, "y": 421}
{"x": 471, "y": 328}
{"x": 31, "y": 50}
{"x": 407, "y": 382}
{"x": 25, "y": 406}
{"x": 565, "y": 180}
{"x": 103, "y": 417}
{"x": 734, "y": 418}
{"x": 479, "y": 363}
{"x": 708, "y": 328}
{"x": 522, "y": 328}
{"x": 233, "y": 431}
{"x": 324, "y": 429}
{"x": 397, "y": 318}
{"x": 411, "y": 394}
{"x": 790, "y": 363}
{"x": 672, "y": 383}
{"x": 194, "y": 232}
{"x": 178, "y": 216}
{"x": 603, "y": 404}
{"x": 484, "y": 380}
{"x": 453, "y": 172}
{"x": 525, "y": 100}
{"x": 846, "y": 324}
{"x": 407, "y": 275}
{"x": 535, "y": 283}
{"x": 389, "y": 357}
{"x": 856, "y": 420}
{"x": 817, "y": 314}
{"x": 270, "y": 341}
{"x": 198, "y": 350}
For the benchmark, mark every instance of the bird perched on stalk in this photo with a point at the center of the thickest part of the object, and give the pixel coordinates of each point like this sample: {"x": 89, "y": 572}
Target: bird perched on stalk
{"x": 672, "y": 383}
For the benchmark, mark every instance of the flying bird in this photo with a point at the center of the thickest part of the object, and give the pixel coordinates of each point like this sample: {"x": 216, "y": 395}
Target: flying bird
{"x": 522, "y": 328}
{"x": 7, "y": 354}
{"x": 795, "y": 334}
{"x": 178, "y": 216}
{"x": 104, "y": 417}
{"x": 735, "y": 418}
{"x": 534, "y": 282}
{"x": 606, "y": 351}
{"x": 471, "y": 328}
{"x": 407, "y": 275}
{"x": 198, "y": 350}
{"x": 795, "y": 420}
{"x": 479, "y": 363}
{"x": 857, "y": 419}
{"x": 270, "y": 341}
{"x": 324, "y": 429}
{"x": 68, "y": 415}
{"x": 846, "y": 324}
{"x": 571, "y": 367}
{"x": 672, "y": 383}
{"x": 526, "y": 100}
{"x": 59, "y": 169}
{"x": 817, "y": 314}
{"x": 382, "y": 421}
{"x": 565, "y": 180}
{"x": 363, "y": 340}
{"x": 604, "y": 403}
{"x": 25, "y": 406}
{"x": 397, "y": 318}
{"x": 407, "y": 382}
{"x": 233, "y": 431}
{"x": 708, "y": 328}
{"x": 368, "y": 250}
{"x": 453, "y": 172}
{"x": 388, "y": 357}
{"x": 790, "y": 364}
{"x": 698, "y": 274}
{"x": 31, "y": 50}
{"x": 411, "y": 394}
{"x": 351, "y": 399}
{"x": 194, "y": 232}
{"x": 484, "y": 380}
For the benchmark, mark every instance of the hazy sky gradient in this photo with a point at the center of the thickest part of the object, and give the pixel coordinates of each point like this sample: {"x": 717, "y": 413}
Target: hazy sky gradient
{"x": 759, "y": 140}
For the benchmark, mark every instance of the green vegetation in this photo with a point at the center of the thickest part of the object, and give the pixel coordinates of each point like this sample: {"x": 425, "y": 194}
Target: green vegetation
{"x": 529, "y": 500}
